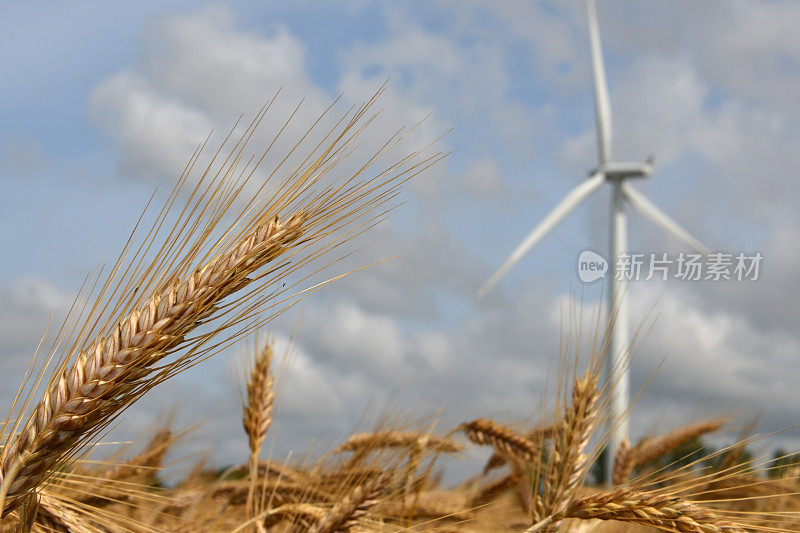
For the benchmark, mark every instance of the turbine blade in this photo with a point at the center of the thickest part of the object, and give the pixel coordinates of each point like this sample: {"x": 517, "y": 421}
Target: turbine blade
{"x": 648, "y": 209}
{"x": 602, "y": 104}
{"x": 572, "y": 200}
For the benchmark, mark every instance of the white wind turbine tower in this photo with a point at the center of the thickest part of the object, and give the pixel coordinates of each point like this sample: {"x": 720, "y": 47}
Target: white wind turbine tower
{"x": 617, "y": 175}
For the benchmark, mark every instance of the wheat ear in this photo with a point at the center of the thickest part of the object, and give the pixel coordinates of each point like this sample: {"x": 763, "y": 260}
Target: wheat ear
{"x": 397, "y": 439}
{"x": 504, "y": 440}
{"x": 537, "y": 435}
{"x": 260, "y": 399}
{"x": 568, "y": 462}
{"x": 304, "y": 512}
{"x": 354, "y": 505}
{"x": 663, "y": 511}
{"x": 257, "y": 417}
{"x": 651, "y": 449}
{"x": 104, "y": 377}
{"x": 624, "y": 463}
{"x": 28, "y": 512}
{"x": 55, "y": 515}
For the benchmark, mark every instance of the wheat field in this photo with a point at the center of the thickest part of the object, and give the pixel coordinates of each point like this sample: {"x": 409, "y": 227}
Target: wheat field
{"x": 226, "y": 254}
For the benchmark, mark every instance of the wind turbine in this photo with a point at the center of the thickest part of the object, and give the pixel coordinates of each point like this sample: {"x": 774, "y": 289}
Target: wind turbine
{"x": 617, "y": 175}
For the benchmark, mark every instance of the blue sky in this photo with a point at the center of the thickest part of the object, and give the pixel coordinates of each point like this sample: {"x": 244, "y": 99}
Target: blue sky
{"x": 102, "y": 103}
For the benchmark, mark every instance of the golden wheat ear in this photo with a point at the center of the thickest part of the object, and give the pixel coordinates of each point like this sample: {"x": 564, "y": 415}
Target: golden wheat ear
{"x": 395, "y": 438}
{"x": 222, "y": 264}
{"x": 353, "y": 506}
{"x": 624, "y": 463}
{"x": 504, "y": 440}
{"x": 569, "y": 461}
{"x": 102, "y": 377}
{"x": 651, "y": 449}
{"x": 659, "y": 510}
{"x": 537, "y": 436}
{"x": 257, "y": 417}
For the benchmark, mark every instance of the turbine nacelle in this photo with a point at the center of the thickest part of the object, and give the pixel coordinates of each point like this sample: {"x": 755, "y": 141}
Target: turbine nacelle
{"x": 623, "y": 170}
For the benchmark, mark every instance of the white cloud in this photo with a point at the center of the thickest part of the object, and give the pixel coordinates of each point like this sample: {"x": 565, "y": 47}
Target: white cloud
{"x": 662, "y": 105}
{"x": 549, "y": 36}
{"x": 483, "y": 179}
{"x": 745, "y": 48}
{"x": 31, "y": 308}
{"x": 437, "y": 351}
{"x": 206, "y": 61}
{"x": 199, "y": 72}
{"x": 719, "y": 363}
{"x": 28, "y": 304}
{"x": 156, "y": 134}
{"x": 355, "y": 339}
{"x": 309, "y": 392}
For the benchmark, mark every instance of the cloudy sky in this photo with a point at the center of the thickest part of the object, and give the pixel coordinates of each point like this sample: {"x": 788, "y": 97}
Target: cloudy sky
{"x": 102, "y": 103}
